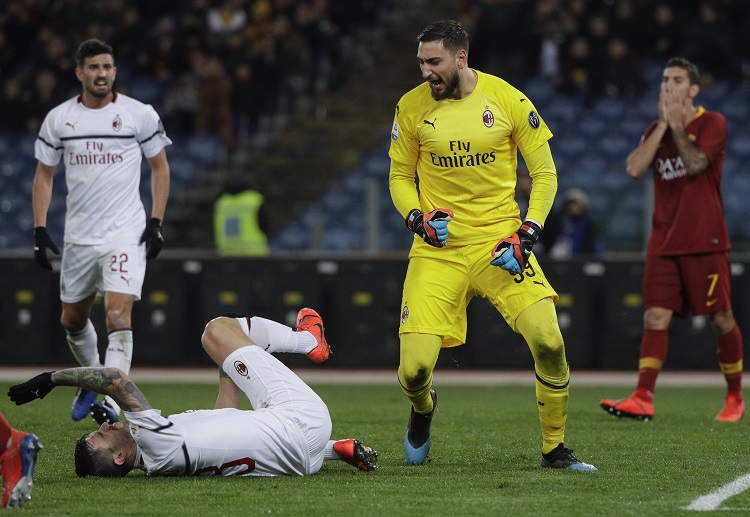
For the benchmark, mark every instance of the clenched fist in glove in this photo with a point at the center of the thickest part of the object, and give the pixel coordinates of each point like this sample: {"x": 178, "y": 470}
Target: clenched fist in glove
{"x": 36, "y": 388}
{"x": 153, "y": 238}
{"x": 432, "y": 226}
{"x": 512, "y": 253}
{"x": 42, "y": 241}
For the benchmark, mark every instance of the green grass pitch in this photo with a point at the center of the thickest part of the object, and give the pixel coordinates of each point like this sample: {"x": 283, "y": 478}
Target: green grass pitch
{"x": 484, "y": 459}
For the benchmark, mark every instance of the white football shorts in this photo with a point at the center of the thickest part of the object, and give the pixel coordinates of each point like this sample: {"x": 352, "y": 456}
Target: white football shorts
{"x": 117, "y": 267}
{"x": 303, "y": 421}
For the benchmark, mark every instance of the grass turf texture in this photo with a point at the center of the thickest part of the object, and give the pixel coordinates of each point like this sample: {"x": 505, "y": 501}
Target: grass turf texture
{"x": 484, "y": 460}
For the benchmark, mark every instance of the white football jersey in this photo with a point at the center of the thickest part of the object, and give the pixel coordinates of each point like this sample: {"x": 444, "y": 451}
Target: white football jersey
{"x": 221, "y": 442}
{"x": 102, "y": 150}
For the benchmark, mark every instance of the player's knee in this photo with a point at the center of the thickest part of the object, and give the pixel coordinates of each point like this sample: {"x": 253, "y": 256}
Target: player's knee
{"x": 117, "y": 319}
{"x": 209, "y": 337}
{"x": 414, "y": 376}
{"x": 71, "y": 323}
{"x": 722, "y": 322}
{"x": 656, "y": 318}
{"x": 549, "y": 349}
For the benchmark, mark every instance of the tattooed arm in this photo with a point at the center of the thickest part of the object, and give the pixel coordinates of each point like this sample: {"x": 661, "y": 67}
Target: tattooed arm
{"x": 107, "y": 381}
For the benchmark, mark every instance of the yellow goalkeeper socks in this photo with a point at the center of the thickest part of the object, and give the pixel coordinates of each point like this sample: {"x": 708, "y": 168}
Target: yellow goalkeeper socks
{"x": 419, "y": 353}
{"x": 552, "y": 403}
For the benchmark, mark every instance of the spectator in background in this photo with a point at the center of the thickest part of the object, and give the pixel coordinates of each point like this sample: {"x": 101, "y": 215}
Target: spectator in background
{"x": 597, "y": 32}
{"x": 41, "y": 34}
{"x": 132, "y": 31}
{"x": 575, "y": 66}
{"x": 268, "y": 76}
{"x": 240, "y": 223}
{"x": 226, "y": 18}
{"x": 619, "y": 73}
{"x": 180, "y": 105}
{"x": 552, "y": 37}
{"x": 214, "y": 90}
{"x": 14, "y": 107}
{"x": 46, "y": 95}
{"x": 496, "y": 44}
{"x": 8, "y": 55}
{"x": 572, "y": 232}
{"x": 294, "y": 61}
{"x": 627, "y": 25}
{"x": 663, "y": 32}
{"x": 709, "y": 43}
{"x": 57, "y": 59}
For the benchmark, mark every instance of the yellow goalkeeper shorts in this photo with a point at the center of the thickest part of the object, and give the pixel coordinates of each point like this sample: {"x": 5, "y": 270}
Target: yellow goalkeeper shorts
{"x": 440, "y": 283}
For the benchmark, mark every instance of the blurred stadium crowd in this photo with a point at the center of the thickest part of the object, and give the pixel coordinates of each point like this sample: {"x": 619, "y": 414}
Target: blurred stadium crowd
{"x": 597, "y": 47}
{"x": 220, "y": 68}
{"x": 205, "y": 65}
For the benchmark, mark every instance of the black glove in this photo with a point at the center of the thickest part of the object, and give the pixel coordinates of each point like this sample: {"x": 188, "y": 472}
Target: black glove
{"x": 36, "y": 388}
{"x": 153, "y": 238}
{"x": 432, "y": 226}
{"x": 512, "y": 253}
{"x": 42, "y": 241}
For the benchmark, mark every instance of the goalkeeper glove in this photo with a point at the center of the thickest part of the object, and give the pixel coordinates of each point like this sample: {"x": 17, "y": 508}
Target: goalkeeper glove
{"x": 42, "y": 241}
{"x": 512, "y": 253}
{"x": 36, "y": 388}
{"x": 153, "y": 238}
{"x": 432, "y": 226}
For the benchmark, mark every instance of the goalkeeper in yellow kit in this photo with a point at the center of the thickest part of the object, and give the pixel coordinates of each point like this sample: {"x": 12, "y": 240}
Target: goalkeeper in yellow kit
{"x": 459, "y": 133}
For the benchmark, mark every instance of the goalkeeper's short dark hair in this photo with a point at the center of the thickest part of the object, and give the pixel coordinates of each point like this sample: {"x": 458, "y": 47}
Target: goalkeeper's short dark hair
{"x": 450, "y": 32}
{"x": 92, "y": 47}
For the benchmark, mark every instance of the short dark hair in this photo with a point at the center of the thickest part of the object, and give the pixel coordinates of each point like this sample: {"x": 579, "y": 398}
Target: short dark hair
{"x": 689, "y": 66}
{"x": 92, "y": 47}
{"x": 95, "y": 463}
{"x": 450, "y": 32}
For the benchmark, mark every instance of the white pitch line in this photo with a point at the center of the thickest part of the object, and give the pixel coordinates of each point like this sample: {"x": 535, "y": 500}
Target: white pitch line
{"x": 714, "y": 499}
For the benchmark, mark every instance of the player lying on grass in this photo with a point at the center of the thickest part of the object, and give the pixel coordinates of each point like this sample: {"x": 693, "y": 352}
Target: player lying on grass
{"x": 288, "y": 432}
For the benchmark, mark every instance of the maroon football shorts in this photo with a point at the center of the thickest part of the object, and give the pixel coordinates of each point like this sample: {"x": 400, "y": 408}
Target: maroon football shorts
{"x": 695, "y": 284}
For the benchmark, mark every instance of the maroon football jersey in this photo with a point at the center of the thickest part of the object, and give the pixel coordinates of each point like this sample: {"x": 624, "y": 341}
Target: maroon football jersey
{"x": 688, "y": 210}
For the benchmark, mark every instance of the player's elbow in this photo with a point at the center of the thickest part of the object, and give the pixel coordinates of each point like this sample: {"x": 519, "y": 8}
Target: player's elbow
{"x": 113, "y": 373}
{"x": 634, "y": 171}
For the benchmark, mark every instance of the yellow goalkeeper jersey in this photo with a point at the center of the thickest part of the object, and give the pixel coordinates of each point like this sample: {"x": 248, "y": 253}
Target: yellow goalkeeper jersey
{"x": 464, "y": 154}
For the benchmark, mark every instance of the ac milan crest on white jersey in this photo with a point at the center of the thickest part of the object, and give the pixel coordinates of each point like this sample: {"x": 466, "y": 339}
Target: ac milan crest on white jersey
{"x": 101, "y": 150}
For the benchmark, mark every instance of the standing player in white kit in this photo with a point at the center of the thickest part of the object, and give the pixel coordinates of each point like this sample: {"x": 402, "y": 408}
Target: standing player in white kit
{"x": 101, "y": 136}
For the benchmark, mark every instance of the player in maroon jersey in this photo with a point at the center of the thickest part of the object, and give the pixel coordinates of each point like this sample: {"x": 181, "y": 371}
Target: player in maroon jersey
{"x": 687, "y": 262}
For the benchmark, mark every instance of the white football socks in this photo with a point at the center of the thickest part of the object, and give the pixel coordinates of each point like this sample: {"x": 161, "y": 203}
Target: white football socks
{"x": 329, "y": 453}
{"x": 275, "y": 337}
{"x": 119, "y": 355}
{"x": 83, "y": 344}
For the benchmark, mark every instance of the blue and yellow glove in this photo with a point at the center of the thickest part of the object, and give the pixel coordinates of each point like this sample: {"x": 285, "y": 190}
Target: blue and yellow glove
{"x": 512, "y": 253}
{"x": 432, "y": 226}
